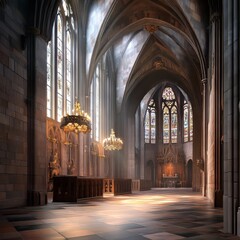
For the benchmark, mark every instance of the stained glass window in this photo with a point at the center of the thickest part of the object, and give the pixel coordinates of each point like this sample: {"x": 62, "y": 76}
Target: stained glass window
{"x": 187, "y": 122}
{"x": 191, "y": 121}
{"x": 147, "y": 128}
{"x": 69, "y": 72}
{"x": 153, "y": 126}
{"x": 59, "y": 68}
{"x": 60, "y": 64}
{"x": 170, "y": 116}
{"x": 174, "y": 124}
{"x": 168, "y": 94}
{"x": 49, "y": 80}
{"x": 95, "y": 103}
{"x": 166, "y": 124}
{"x": 150, "y": 123}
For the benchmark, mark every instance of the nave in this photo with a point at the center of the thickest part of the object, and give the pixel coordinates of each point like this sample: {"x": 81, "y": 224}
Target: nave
{"x": 160, "y": 213}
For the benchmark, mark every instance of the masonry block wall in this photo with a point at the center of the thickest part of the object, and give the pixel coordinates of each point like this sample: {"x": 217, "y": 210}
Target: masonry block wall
{"x": 13, "y": 108}
{"x": 23, "y": 162}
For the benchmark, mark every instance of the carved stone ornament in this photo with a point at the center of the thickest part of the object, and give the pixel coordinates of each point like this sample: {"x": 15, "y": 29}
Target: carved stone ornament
{"x": 200, "y": 164}
{"x": 158, "y": 64}
{"x": 151, "y": 28}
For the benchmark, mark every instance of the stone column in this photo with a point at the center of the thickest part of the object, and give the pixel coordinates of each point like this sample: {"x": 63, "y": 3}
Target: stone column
{"x": 204, "y": 133}
{"x": 142, "y": 144}
{"x": 130, "y": 148}
{"x": 36, "y": 111}
{"x": 216, "y": 21}
{"x": 214, "y": 157}
{"x": 231, "y": 116}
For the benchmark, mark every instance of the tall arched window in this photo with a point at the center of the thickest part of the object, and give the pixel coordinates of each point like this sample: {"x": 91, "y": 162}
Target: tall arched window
{"x": 95, "y": 104}
{"x": 187, "y": 122}
{"x": 174, "y": 123}
{"x": 150, "y": 123}
{"x": 170, "y": 116}
{"x": 166, "y": 125}
{"x": 60, "y": 78}
{"x": 191, "y": 122}
{"x": 102, "y": 93}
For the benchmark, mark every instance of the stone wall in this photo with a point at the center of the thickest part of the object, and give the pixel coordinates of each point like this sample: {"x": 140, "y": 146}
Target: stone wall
{"x": 13, "y": 108}
{"x": 22, "y": 109}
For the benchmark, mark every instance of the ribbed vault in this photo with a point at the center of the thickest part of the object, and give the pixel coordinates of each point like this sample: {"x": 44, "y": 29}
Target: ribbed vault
{"x": 146, "y": 36}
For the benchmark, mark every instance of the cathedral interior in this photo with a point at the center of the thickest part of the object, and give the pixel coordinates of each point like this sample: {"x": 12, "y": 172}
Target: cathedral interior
{"x": 120, "y": 94}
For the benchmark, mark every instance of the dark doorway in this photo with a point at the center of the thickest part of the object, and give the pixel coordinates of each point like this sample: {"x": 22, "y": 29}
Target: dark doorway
{"x": 150, "y": 172}
{"x": 189, "y": 173}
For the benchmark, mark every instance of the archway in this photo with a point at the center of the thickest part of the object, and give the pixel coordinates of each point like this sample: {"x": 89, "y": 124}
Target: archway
{"x": 150, "y": 173}
{"x": 189, "y": 173}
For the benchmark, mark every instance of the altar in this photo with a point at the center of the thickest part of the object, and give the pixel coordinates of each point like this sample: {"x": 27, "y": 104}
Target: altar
{"x": 170, "y": 181}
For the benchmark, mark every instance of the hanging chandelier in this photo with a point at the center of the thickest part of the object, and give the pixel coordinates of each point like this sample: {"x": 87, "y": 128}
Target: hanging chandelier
{"x": 112, "y": 143}
{"x": 79, "y": 121}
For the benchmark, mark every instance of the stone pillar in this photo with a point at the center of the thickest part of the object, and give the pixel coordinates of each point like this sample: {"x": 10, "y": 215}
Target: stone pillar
{"x": 142, "y": 144}
{"x": 36, "y": 111}
{"x": 130, "y": 147}
{"x": 214, "y": 156}
{"x": 204, "y": 136}
{"x": 82, "y": 168}
{"x": 238, "y": 222}
{"x": 216, "y": 22}
{"x": 231, "y": 116}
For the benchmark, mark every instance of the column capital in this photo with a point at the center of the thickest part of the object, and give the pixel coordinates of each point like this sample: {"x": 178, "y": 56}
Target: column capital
{"x": 204, "y": 81}
{"x": 214, "y": 17}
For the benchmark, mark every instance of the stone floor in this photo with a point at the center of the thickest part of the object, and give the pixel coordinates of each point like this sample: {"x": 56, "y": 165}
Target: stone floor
{"x": 169, "y": 214}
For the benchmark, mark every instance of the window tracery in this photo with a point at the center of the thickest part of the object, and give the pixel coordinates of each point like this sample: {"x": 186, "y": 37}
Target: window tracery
{"x": 187, "y": 122}
{"x": 170, "y": 116}
{"x": 150, "y": 123}
{"x": 60, "y": 78}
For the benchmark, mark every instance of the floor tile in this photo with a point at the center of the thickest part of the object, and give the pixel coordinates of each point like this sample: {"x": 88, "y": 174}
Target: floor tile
{"x": 168, "y": 214}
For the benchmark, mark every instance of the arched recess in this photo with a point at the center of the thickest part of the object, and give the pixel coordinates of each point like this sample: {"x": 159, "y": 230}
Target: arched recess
{"x": 150, "y": 172}
{"x": 189, "y": 173}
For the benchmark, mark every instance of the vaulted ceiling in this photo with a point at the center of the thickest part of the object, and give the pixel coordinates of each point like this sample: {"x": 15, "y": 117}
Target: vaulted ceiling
{"x": 150, "y": 41}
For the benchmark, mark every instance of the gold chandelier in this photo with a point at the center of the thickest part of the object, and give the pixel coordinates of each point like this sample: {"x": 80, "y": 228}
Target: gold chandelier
{"x": 112, "y": 143}
{"x": 79, "y": 121}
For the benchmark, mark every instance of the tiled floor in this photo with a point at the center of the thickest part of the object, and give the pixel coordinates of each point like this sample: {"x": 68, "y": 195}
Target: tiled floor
{"x": 169, "y": 214}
